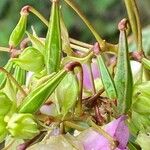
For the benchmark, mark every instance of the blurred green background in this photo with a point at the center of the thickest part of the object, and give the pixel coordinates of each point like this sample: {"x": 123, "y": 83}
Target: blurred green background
{"x": 103, "y": 14}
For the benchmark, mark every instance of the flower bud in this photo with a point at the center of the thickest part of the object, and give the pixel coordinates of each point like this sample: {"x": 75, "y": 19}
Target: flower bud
{"x": 3, "y": 131}
{"x": 23, "y": 126}
{"x": 5, "y": 104}
{"x": 31, "y": 60}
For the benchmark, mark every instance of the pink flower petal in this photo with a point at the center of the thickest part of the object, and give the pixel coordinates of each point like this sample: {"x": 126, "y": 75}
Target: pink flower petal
{"x": 92, "y": 140}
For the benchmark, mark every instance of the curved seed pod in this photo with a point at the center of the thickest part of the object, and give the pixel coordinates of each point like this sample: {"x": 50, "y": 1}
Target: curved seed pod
{"x": 123, "y": 77}
{"x": 36, "y": 43}
{"x": 53, "y": 44}
{"x": 31, "y": 60}
{"x": 3, "y": 77}
{"x": 19, "y": 31}
{"x": 40, "y": 94}
{"x": 67, "y": 93}
{"x": 107, "y": 80}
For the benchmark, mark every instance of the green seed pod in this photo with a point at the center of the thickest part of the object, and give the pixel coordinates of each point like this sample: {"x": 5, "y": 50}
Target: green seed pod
{"x": 36, "y": 43}
{"x": 107, "y": 80}
{"x": 40, "y": 94}
{"x": 123, "y": 76}
{"x": 3, "y": 130}
{"x": 53, "y": 44}
{"x": 19, "y": 31}
{"x": 31, "y": 60}
{"x": 3, "y": 77}
{"x": 5, "y": 104}
{"x": 67, "y": 93}
{"x": 23, "y": 126}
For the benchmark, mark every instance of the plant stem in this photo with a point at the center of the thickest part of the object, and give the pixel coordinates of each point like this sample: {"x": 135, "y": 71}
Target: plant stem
{"x": 74, "y": 126}
{"x": 132, "y": 19}
{"x": 136, "y": 12}
{"x": 104, "y": 45}
{"x": 83, "y": 44}
{"x": 76, "y": 8}
{"x": 4, "y": 49}
{"x": 35, "y": 12}
{"x": 77, "y": 47}
{"x": 91, "y": 77}
{"x": 13, "y": 80}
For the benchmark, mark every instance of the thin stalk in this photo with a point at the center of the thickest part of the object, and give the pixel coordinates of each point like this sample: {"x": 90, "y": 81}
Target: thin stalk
{"x": 76, "y": 8}
{"x": 83, "y": 44}
{"x": 35, "y": 12}
{"x": 132, "y": 19}
{"x": 79, "y": 103}
{"x": 104, "y": 46}
{"x": 77, "y": 47}
{"x": 9, "y": 145}
{"x": 4, "y": 49}
{"x": 91, "y": 77}
{"x": 136, "y": 12}
{"x": 74, "y": 126}
{"x": 14, "y": 81}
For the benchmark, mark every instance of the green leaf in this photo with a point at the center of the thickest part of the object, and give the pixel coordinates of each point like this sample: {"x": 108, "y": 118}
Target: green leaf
{"x": 67, "y": 93}
{"x": 53, "y": 44}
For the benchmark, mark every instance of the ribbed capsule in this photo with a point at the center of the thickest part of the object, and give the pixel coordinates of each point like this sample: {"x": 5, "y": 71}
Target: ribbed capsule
{"x": 123, "y": 76}
{"x": 53, "y": 44}
{"x": 19, "y": 31}
{"x": 40, "y": 94}
{"x": 19, "y": 75}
